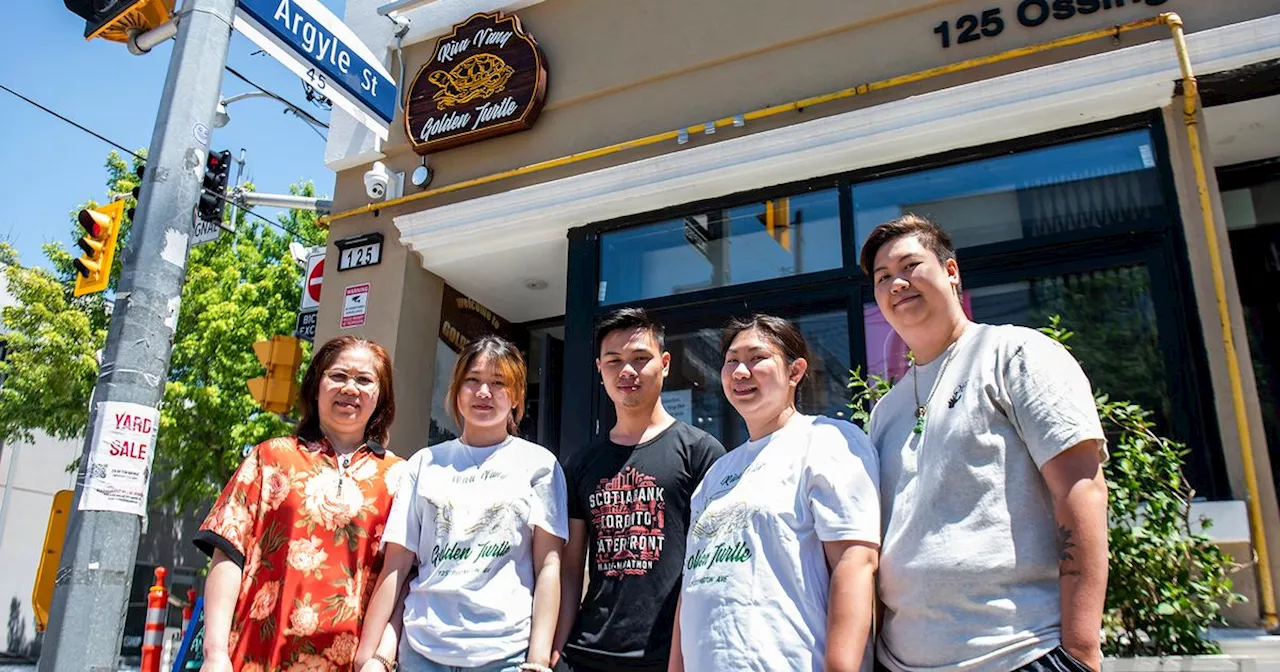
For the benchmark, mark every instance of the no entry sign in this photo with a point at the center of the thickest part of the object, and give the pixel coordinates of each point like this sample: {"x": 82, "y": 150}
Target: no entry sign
{"x": 311, "y": 282}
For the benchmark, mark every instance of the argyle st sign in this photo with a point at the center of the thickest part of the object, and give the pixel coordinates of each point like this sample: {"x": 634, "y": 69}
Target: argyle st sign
{"x": 486, "y": 78}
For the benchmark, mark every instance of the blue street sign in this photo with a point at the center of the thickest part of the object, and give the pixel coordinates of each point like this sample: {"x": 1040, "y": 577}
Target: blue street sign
{"x": 308, "y": 39}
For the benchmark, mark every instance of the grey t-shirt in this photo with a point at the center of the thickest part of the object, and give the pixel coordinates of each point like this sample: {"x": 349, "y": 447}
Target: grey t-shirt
{"x": 969, "y": 562}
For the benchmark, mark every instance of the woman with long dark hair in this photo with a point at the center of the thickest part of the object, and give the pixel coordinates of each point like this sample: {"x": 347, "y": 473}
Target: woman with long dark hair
{"x": 785, "y": 529}
{"x": 483, "y": 519}
{"x": 295, "y": 535}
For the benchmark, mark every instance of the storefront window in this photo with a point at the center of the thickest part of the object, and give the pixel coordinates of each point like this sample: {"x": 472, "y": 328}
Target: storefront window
{"x": 761, "y": 241}
{"x": 692, "y": 391}
{"x": 1111, "y": 312}
{"x": 1091, "y": 184}
{"x": 443, "y": 428}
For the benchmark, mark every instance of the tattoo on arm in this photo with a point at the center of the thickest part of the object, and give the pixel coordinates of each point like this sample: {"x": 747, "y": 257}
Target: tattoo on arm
{"x": 1064, "y": 552}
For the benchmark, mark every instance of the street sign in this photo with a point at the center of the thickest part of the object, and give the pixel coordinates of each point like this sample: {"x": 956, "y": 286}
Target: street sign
{"x": 355, "y": 305}
{"x": 306, "y": 326}
{"x": 359, "y": 251}
{"x": 205, "y": 232}
{"x": 312, "y": 42}
{"x": 312, "y": 281}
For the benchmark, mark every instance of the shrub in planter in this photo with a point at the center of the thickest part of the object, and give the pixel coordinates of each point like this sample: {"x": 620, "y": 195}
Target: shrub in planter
{"x": 1168, "y": 584}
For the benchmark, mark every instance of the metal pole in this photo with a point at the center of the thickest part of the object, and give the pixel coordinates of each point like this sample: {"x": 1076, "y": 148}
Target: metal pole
{"x": 92, "y": 588}
{"x": 239, "y": 182}
{"x": 289, "y": 201}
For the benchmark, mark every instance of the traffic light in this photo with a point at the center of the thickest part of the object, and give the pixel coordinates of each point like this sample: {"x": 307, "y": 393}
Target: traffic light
{"x": 137, "y": 189}
{"x": 115, "y": 19}
{"x": 102, "y": 227}
{"x": 213, "y": 192}
{"x": 777, "y": 221}
{"x": 276, "y": 391}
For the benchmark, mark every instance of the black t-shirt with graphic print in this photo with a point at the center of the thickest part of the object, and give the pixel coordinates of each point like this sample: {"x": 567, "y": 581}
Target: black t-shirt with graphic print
{"x": 635, "y": 501}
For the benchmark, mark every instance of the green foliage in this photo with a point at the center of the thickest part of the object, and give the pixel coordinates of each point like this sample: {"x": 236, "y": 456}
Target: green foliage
{"x": 866, "y": 391}
{"x": 1168, "y": 583}
{"x": 239, "y": 289}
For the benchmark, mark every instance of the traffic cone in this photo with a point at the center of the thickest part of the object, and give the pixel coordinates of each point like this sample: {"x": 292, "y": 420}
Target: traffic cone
{"x": 153, "y": 630}
{"x": 188, "y": 610}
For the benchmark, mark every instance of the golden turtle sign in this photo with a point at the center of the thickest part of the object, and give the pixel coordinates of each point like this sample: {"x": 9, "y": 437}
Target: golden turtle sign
{"x": 486, "y": 78}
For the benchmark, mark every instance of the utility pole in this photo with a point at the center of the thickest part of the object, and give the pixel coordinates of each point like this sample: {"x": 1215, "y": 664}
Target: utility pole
{"x": 92, "y": 594}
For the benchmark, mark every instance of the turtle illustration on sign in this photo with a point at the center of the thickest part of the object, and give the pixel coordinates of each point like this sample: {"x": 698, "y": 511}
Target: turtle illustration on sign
{"x": 485, "y": 78}
{"x": 480, "y": 76}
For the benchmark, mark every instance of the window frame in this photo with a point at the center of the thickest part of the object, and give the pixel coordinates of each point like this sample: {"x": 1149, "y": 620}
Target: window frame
{"x": 1158, "y": 242}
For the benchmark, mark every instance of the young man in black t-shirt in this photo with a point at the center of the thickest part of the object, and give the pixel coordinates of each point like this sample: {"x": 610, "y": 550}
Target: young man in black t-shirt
{"x": 629, "y": 511}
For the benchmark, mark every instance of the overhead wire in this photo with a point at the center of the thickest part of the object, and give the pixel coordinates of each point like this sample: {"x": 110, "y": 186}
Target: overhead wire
{"x": 79, "y": 126}
{"x": 143, "y": 159}
{"x": 298, "y": 110}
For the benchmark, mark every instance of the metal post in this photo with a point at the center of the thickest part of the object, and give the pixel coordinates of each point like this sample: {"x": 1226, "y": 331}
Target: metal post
{"x": 92, "y": 593}
{"x": 239, "y": 182}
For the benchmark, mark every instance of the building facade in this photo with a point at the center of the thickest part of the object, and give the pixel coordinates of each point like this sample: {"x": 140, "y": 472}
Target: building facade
{"x": 737, "y": 155}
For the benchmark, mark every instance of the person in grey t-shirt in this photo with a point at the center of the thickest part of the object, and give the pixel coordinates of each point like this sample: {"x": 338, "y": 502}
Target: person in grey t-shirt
{"x": 992, "y": 496}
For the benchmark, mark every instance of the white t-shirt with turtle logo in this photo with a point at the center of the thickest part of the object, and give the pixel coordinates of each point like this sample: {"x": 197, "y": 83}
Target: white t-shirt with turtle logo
{"x": 756, "y": 577}
{"x": 469, "y": 515}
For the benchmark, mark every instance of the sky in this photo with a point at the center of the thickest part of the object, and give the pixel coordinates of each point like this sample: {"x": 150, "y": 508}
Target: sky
{"x": 48, "y": 167}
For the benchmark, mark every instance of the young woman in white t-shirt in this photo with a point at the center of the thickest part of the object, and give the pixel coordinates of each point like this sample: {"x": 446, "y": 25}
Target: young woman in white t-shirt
{"x": 483, "y": 518}
{"x": 785, "y": 529}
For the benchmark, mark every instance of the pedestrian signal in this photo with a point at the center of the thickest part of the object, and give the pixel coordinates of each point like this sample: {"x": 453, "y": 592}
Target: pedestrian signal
{"x": 282, "y": 357}
{"x": 213, "y": 191}
{"x": 50, "y": 556}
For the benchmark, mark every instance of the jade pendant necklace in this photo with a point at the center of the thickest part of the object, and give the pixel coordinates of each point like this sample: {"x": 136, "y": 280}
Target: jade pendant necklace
{"x": 922, "y": 409}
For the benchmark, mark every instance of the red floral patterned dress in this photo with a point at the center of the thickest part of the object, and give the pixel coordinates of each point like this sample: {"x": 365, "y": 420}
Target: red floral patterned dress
{"x": 306, "y": 533}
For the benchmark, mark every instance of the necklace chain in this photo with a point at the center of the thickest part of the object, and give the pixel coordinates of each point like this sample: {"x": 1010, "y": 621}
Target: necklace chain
{"x": 922, "y": 409}
{"x": 343, "y": 462}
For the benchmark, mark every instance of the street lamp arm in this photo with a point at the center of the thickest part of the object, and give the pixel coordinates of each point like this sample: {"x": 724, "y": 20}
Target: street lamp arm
{"x": 222, "y": 118}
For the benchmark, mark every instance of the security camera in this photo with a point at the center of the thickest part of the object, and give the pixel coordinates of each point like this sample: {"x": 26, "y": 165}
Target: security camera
{"x": 377, "y": 180}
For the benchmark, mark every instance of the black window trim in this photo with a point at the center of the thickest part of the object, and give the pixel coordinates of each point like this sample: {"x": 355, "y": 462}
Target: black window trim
{"x": 1158, "y": 242}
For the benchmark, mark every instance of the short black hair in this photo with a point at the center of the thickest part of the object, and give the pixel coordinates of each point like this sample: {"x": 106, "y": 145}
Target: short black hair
{"x": 932, "y": 236}
{"x": 630, "y": 319}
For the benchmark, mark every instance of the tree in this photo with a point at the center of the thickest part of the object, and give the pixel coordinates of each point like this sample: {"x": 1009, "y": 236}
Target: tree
{"x": 239, "y": 289}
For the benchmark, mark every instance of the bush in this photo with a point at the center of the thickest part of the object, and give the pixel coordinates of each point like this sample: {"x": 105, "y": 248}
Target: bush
{"x": 1168, "y": 584}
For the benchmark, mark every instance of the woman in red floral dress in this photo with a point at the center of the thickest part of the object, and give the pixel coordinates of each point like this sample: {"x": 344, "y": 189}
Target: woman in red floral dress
{"x": 295, "y": 535}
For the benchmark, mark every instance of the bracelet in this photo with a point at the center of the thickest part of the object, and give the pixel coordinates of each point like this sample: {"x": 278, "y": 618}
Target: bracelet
{"x": 390, "y": 665}
{"x": 533, "y": 667}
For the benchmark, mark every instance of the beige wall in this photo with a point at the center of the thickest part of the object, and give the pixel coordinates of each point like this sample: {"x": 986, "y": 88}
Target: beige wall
{"x": 621, "y": 70}
{"x": 404, "y": 317}
{"x": 1207, "y": 306}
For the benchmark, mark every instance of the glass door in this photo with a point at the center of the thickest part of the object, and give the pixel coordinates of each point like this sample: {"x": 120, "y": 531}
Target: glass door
{"x": 692, "y": 391}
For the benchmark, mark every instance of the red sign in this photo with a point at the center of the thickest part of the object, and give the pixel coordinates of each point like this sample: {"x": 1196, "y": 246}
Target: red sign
{"x": 314, "y": 279}
{"x": 355, "y": 305}
{"x": 311, "y": 282}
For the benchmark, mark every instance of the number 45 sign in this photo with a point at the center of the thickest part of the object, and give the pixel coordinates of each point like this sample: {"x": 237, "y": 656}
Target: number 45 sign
{"x": 359, "y": 251}
{"x": 309, "y": 40}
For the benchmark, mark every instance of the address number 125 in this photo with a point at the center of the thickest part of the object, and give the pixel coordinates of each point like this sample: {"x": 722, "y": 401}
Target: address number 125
{"x": 970, "y": 27}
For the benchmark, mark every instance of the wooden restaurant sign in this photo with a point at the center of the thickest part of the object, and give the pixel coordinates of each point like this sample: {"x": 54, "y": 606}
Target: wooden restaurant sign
{"x": 486, "y": 78}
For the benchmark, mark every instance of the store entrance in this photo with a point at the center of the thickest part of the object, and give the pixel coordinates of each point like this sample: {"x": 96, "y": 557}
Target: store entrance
{"x": 692, "y": 391}
{"x": 1251, "y": 200}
